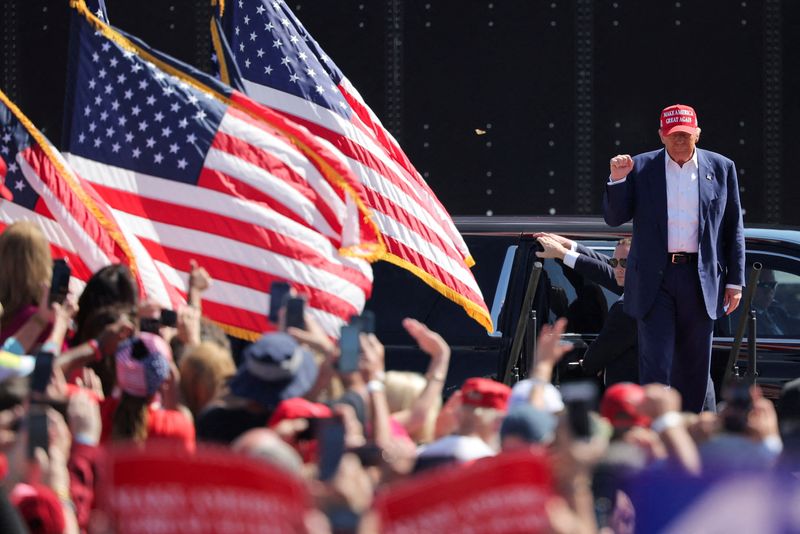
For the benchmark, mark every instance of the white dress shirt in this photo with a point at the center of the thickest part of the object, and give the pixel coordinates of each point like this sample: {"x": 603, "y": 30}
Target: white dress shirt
{"x": 683, "y": 205}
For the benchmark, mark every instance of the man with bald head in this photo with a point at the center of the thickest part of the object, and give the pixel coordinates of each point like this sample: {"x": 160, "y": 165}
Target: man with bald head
{"x": 686, "y": 265}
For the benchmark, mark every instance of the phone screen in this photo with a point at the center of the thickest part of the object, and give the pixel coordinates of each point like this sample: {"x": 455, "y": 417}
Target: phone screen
{"x": 38, "y": 437}
{"x": 42, "y": 371}
{"x": 278, "y": 292}
{"x": 366, "y": 320}
{"x": 149, "y": 324}
{"x": 580, "y": 399}
{"x": 295, "y": 307}
{"x": 349, "y": 349}
{"x": 59, "y": 284}
{"x": 169, "y": 318}
{"x": 330, "y": 436}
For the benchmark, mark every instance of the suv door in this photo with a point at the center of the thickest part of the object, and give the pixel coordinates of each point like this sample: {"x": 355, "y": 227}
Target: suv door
{"x": 399, "y": 294}
{"x": 776, "y": 303}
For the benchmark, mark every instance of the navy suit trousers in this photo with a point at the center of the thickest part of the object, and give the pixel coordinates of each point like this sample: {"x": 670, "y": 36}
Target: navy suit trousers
{"x": 675, "y": 337}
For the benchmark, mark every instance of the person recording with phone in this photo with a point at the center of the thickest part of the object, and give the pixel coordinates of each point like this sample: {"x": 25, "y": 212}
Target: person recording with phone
{"x": 26, "y": 271}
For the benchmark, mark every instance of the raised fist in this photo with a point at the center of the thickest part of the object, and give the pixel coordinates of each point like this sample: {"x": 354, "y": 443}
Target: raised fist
{"x": 621, "y": 165}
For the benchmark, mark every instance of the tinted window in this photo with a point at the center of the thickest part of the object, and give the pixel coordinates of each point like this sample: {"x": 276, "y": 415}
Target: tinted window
{"x": 582, "y": 301}
{"x": 776, "y": 298}
{"x": 398, "y": 294}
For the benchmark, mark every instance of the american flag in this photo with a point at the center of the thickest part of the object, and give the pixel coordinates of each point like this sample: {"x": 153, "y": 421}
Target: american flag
{"x": 286, "y": 69}
{"x": 195, "y": 170}
{"x": 41, "y": 188}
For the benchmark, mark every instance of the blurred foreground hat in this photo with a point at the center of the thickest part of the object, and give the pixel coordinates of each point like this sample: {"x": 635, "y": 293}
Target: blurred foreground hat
{"x": 275, "y": 368}
{"x": 678, "y": 118}
{"x": 521, "y": 392}
{"x": 485, "y": 393}
{"x": 620, "y": 405}
{"x": 298, "y": 408}
{"x": 142, "y": 364}
{"x": 39, "y": 507}
{"x": 529, "y": 424}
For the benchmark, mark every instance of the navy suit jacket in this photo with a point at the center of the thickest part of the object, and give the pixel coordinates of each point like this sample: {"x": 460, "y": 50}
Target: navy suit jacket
{"x": 642, "y": 197}
{"x": 615, "y": 350}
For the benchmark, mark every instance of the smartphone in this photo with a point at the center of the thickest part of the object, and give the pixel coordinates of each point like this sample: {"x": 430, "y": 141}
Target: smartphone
{"x": 349, "y": 349}
{"x": 580, "y": 398}
{"x": 295, "y": 308}
{"x": 59, "y": 284}
{"x": 330, "y": 436}
{"x": 278, "y": 293}
{"x": 42, "y": 371}
{"x": 365, "y": 321}
{"x": 370, "y": 454}
{"x": 149, "y": 324}
{"x": 311, "y": 430}
{"x": 38, "y": 437}
{"x": 738, "y": 404}
{"x": 169, "y": 318}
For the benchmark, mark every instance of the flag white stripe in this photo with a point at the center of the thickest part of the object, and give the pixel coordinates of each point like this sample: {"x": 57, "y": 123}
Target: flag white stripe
{"x": 204, "y": 199}
{"x": 245, "y": 298}
{"x": 287, "y": 153}
{"x": 238, "y": 253}
{"x": 308, "y": 110}
{"x": 91, "y": 255}
{"x": 430, "y": 212}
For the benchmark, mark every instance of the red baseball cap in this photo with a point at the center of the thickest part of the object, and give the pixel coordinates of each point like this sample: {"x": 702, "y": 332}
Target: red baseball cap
{"x": 678, "y": 118}
{"x": 620, "y": 405}
{"x": 298, "y": 408}
{"x": 485, "y": 393}
{"x": 39, "y": 507}
{"x": 4, "y": 191}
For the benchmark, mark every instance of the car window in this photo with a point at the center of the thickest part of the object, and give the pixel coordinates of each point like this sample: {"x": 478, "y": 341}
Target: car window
{"x": 398, "y": 294}
{"x": 583, "y": 302}
{"x": 775, "y": 301}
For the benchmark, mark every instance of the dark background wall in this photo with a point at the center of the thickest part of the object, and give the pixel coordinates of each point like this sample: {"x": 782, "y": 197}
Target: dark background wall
{"x": 507, "y": 107}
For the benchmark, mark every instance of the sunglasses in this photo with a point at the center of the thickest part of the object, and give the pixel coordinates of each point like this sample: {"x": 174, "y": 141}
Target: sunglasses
{"x": 768, "y": 285}
{"x": 623, "y": 262}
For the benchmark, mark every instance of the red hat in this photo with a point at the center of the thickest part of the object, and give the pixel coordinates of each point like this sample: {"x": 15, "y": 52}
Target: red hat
{"x": 485, "y": 393}
{"x": 678, "y": 118}
{"x": 298, "y": 408}
{"x": 620, "y": 405}
{"x": 39, "y": 507}
{"x": 4, "y": 191}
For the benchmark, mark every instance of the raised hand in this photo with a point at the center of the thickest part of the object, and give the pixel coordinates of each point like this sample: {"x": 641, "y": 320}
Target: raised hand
{"x": 621, "y": 165}
{"x": 429, "y": 341}
{"x": 552, "y": 248}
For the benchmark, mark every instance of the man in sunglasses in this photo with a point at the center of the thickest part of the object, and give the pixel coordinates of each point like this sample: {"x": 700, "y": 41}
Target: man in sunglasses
{"x": 686, "y": 267}
{"x": 614, "y": 351}
{"x": 771, "y": 318}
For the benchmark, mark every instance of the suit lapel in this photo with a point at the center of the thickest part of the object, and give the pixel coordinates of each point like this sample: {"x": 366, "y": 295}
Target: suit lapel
{"x": 660, "y": 192}
{"x": 705, "y": 178}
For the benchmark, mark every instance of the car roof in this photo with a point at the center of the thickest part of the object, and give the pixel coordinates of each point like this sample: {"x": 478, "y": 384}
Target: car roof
{"x": 595, "y": 227}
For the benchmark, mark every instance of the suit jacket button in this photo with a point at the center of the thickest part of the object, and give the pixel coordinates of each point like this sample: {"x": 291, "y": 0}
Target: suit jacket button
{"x": 660, "y": 273}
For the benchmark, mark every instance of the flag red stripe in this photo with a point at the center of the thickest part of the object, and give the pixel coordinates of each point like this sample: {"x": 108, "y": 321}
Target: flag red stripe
{"x": 216, "y": 224}
{"x": 276, "y": 167}
{"x": 356, "y": 152}
{"x": 247, "y": 277}
{"x": 406, "y": 252}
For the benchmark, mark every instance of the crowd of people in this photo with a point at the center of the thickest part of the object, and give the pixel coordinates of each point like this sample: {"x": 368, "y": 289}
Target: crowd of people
{"x": 120, "y": 377}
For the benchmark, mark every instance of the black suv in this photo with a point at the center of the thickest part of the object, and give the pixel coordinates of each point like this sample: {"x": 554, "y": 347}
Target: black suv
{"x": 504, "y": 251}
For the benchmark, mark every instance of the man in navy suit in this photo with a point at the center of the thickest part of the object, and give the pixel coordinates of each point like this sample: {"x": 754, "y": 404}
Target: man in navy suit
{"x": 686, "y": 265}
{"x": 614, "y": 350}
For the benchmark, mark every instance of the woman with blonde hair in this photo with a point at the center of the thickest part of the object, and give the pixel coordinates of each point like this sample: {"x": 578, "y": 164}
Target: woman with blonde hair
{"x": 26, "y": 267}
{"x": 414, "y": 401}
